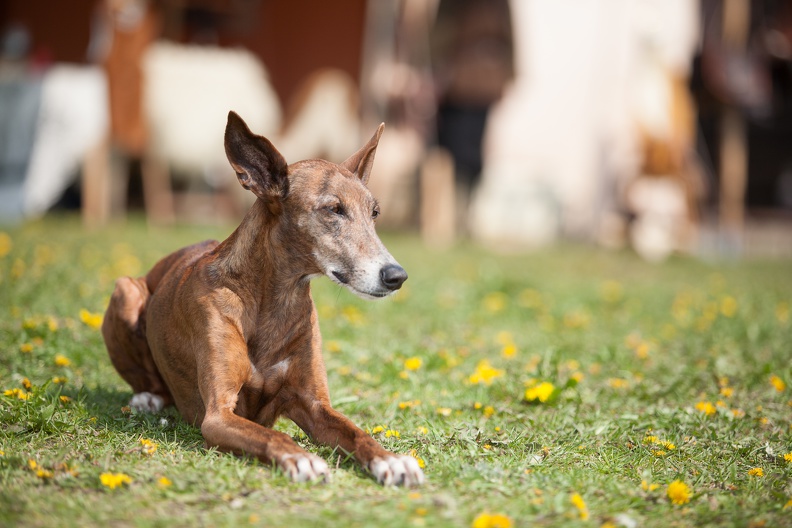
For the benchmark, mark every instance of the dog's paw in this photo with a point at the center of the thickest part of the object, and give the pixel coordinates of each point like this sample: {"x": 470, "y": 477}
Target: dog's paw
{"x": 304, "y": 467}
{"x": 146, "y": 402}
{"x": 397, "y": 470}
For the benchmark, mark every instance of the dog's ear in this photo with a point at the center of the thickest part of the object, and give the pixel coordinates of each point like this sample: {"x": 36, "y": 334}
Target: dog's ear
{"x": 361, "y": 162}
{"x": 259, "y": 166}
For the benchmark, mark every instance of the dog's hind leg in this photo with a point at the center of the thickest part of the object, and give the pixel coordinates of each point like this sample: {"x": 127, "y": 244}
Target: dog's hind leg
{"x": 124, "y": 332}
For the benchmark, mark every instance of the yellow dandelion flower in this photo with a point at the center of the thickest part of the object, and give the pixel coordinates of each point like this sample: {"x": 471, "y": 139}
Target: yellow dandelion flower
{"x": 489, "y": 410}
{"x": 659, "y": 453}
{"x": 504, "y": 338}
{"x": 756, "y": 472}
{"x": 114, "y": 480}
{"x": 17, "y": 393}
{"x": 477, "y": 405}
{"x": 32, "y": 464}
{"x": 26, "y": 383}
{"x": 576, "y": 320}
{"x": 62, "y": 361}
{"x": 26, "y": 348}
{"x": 414, "y": 454}
{"x": 642, "y": 350}
{"x": 738, "y": 413}
{"x": 492, "y": 520}
{"x": 148, "y": 447}
{"x": 443, "y": 411}
{"x": 580, "y": 504}
{"x": 726, "y": 392}
{"x": 44, "y": 474}
{"x": 618, "y": 383}
{"x": 777, "y": 383}
{"x": 728, "y": 306}
{"x": 679, "y": 492}
{"x": 788, "y": 457}
{"x": 413, "y": 363}
{"x": 64, "y": 399}
{"x": 485, "y": 373}
{"x": 93, "y": 320}
{"x": 706, "y": 407}
{"x": 5, "y": 244}
{"x": 494, "y": 302}
{"x": 782, "y": 312}
{"x": 392, "y": 433}
{"x": 646, "y": 486}
{"x": 60, "y": 380}
{"x": 164, "y": 482}
{"x": 668, "y": 445}
{"x": 377, "y": 429}
{"x": 422, "y": 430}
{"x": 509, "y": 351}
{"x": 540, "y": 393}
{"x": 650, "y": 439}
{"x": 332, "y": 346}
{"x": 577, "y": 376}
{"x": 788, "y": 505}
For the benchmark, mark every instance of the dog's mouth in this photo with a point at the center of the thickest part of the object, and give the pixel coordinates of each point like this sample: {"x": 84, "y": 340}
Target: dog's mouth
{"x": 343, "y": 279}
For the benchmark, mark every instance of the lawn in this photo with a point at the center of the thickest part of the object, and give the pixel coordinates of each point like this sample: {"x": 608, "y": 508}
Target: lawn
{"x": 572, "y": 387}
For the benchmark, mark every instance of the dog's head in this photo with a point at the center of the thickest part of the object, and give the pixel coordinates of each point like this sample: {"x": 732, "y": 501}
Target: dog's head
{"x": 324, "y": 207}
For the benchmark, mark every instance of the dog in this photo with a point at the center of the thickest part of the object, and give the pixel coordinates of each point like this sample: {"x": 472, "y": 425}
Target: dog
{"x": 228, "y": 332}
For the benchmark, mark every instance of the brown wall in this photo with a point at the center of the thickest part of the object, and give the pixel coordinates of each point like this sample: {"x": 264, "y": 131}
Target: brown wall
{"x": 292, "y": 37}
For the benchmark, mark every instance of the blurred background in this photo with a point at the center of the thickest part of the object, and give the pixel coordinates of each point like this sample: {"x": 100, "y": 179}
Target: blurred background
{"x": 660, "y": 125}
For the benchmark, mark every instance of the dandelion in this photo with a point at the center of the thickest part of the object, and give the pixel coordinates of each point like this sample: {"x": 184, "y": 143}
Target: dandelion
{"x": 646, "y": 486}
{"x": 443, "y": 411}
{"x": 726, "y": 392}
{"x": 492, "y": 520}
{"x": 332, "y": 346}
{"x": 148, "y": 446}
{"x": 377, "y": 429}
{"x": 489, "y": 410}
{"x": 60, "y": 380}
{"x": 164, "y": 482}
{"x": 576, "y": 320}
{"x": 64, "y": 399}
{"x": 679, "y": 492}
{"x": 414, "y": 454}
{"x": 413, "y": 363}
{"x": 26, "y": 383}
{"x": 728, "y": 306}
{"x": 5, "y": 244}
{"x": 706, "y": 407}
{"x": 509, "y": 351}
{"x": 580, "y": 504}
{"x": 114, "y": 480}
{"x": 494, "y": 302}
{"x": 484, "y": 373}
{"x": 540, "y": 393}
{"x": 756, "y": 472}
{"x": 618, "y": 383}
{"x": 26, "y": 348}
{"x": 392, "y": 433}
{"x": 62, "y": 361}
{"x": 92, "y": 320}
{"x": 788, "y": 505}
{"x": 422, "y": 430}
{"x": 777, "y": 383}
{"x": 32, "y": 464}
{"x": 44, "y": 474}
{"x": 16, "y": 393}
{"x": 52, "y": 324}
{"x": 788, "y": 457}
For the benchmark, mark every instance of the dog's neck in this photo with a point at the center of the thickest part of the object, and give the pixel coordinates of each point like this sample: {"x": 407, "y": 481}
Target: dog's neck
{"x": 264, "y": 256}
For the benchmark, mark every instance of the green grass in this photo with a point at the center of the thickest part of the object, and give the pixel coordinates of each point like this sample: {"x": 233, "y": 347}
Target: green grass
{"x": 632, "y": 349}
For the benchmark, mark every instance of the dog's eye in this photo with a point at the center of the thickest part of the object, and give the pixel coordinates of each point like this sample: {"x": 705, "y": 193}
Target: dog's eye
{"x": 375, "y": 213}
{"x": 337, "y": 209}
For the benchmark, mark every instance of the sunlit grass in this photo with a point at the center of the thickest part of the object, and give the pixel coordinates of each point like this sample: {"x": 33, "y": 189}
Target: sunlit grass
{"x": 568, "y": 387}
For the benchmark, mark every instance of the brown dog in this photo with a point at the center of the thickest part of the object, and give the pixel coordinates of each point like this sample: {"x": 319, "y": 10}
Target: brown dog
{"x": 228, "y": 331}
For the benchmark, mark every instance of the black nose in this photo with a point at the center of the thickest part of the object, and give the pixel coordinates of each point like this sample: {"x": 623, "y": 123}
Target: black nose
{"x": 393, "y": 276}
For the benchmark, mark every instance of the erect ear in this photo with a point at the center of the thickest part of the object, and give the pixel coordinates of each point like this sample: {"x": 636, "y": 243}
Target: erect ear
{"x": 360, "y": 162}
{"x": 259, "y": 167}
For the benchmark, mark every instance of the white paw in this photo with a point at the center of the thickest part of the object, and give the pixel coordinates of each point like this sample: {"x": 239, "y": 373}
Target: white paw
{"x": 397, "y": 470}
{"x": 146, "y": 402}
{"x": 304, "y": 467}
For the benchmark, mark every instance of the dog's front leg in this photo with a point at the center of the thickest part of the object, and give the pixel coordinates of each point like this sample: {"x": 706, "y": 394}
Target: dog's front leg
{"x": 328, "y": 426}
{"x": 220, "y": 379}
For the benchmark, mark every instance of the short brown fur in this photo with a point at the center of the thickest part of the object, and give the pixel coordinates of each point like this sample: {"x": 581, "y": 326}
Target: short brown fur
{"x": 229, "y": 332}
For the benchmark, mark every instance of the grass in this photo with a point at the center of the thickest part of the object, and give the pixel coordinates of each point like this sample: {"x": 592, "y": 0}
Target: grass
{"x": 656, "y": 374}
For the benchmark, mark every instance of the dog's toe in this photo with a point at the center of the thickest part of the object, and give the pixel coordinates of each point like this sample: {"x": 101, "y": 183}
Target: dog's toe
{"x": 397, "y": 470}
{"x": 304, "y": 467}
{"x": 146, "y": 402}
